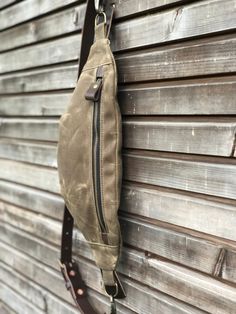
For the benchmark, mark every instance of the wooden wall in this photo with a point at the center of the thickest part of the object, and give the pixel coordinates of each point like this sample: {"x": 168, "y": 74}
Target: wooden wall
{"x": 177, "y": 65}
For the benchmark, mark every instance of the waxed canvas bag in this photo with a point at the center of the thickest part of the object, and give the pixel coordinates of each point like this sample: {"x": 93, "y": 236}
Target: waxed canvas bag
{"x": 90, "y": 166}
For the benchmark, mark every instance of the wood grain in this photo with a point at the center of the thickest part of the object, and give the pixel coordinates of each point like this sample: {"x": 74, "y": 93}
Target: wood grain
{"x": 209, "y": 216}
{"x": 57, "y": 51}
{"x": 31, "y": 9}
{"x": 189, "y": 97}
{"x": 196, "y": 175}
{"x": 44, "y": 178}
{"x": 205, "y": 292}
{"x": 188, "y": 175}
{"x": 178, "y": 247}
{"x": 202, "y": 18}
{"x": 5, "y": 3}
{"x": 54, "y": 78}
{"x": 176, "y": 65}
{"x": 26, "y": 289}
{"x": 195, "y": 58}
{"x": 90, "y": 272}
{"x": 201, "y": 176}
{"x": 62, "y": 23}
{"x": 6, "y": 309}
{"x": 126, "y": 8}
{"x": 34, "y": 105}
{"x": 180, "y": 135}
{"x": 20, "y": 305}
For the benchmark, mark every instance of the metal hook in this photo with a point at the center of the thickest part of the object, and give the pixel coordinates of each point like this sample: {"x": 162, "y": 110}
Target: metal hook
{"x": 98, "y": 6}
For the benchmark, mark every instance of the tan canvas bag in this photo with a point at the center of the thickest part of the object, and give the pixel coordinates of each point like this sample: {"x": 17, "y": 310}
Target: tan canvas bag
{"x": 89, "y": 164}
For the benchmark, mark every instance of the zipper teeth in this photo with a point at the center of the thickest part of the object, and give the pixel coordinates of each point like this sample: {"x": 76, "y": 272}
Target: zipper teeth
{"x": 96, "y": 166}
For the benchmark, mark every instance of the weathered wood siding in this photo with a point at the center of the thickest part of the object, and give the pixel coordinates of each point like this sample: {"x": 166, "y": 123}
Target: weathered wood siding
{"x": 177, "y": 92}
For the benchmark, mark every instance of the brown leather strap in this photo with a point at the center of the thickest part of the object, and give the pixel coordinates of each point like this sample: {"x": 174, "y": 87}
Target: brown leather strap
{"x": 87, "y": 34}
{"x": 69, "y": 267}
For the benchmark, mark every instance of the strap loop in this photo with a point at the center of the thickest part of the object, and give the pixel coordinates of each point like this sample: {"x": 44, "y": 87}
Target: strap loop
{"x": 100, "y": 15}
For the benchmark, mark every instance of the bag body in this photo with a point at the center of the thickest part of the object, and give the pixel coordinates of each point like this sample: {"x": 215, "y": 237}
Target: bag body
{"x": 89, "y": 156}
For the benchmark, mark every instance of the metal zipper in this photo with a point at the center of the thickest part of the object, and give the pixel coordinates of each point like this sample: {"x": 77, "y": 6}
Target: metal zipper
{"x": 96, "y": 144}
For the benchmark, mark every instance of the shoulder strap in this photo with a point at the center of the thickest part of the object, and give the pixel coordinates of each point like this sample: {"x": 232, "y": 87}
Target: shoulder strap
{"x": 87, "y": 34}
{"x": 69, "y": 268}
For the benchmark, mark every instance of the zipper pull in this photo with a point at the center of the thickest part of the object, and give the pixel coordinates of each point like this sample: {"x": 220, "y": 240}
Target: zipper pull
{"x": 94, "y": 91}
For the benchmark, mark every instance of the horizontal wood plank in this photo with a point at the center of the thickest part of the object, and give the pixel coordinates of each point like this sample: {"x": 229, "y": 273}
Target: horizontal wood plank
{"x": 173, "y": 61}
{"x": 5, "y": 309}
{"x": 19, "y": 150}
{"x": 55, "y": 78}
{"x": 39, "y": 201}
{"x": 229, "y": 266}
{"x": 201, "y": 97}
{"x": 202, "y": 17}
{"x": 199, "y": 214}
{"x": 31, "y": 9}
{"x": 126, "y": 8}
{"x": 195, "y": 58}
{"x": 20, "y": 305}
{"x": 26, "y": 289}
{"x": 179, "y": 135}
{"x": 33, "y": 293}
{"x": 57, "y": 51}
{"x": 210, "y": 178}
{"x": 30, "y": 175}
{"x": 5, "y": 3}
{"x": 34, "y": 105}
{"x": 45, "y": 130}
{"x": 92, "y": 275}
{"x": 188, "y": 175}
{"x": 215, "y": 56}
{"x": 51, "y": 279}
{"x": 205, "y": 292}
{"x": 190, "y": 97}
{"x": 62, "y": 23}
{"x": 160, "y": 204}
{"x": 178, "y": 247}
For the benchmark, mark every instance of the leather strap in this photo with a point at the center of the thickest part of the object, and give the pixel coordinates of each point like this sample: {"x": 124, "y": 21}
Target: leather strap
{"x": 69, "y": 267}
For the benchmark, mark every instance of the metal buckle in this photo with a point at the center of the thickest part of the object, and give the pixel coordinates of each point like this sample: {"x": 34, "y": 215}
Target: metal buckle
{"x": 103, "y": 15}
{"x": 112, "y": 296}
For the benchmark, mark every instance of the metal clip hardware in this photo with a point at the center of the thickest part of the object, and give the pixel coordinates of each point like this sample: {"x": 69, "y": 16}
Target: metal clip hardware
{"x": 98, "y": 6}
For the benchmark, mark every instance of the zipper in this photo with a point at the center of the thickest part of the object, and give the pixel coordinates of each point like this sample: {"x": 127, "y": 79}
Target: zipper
{"x": 94, "y": 93}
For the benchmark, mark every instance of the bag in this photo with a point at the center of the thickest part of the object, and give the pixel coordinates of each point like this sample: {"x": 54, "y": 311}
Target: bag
{"x": 89, "y": 163}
